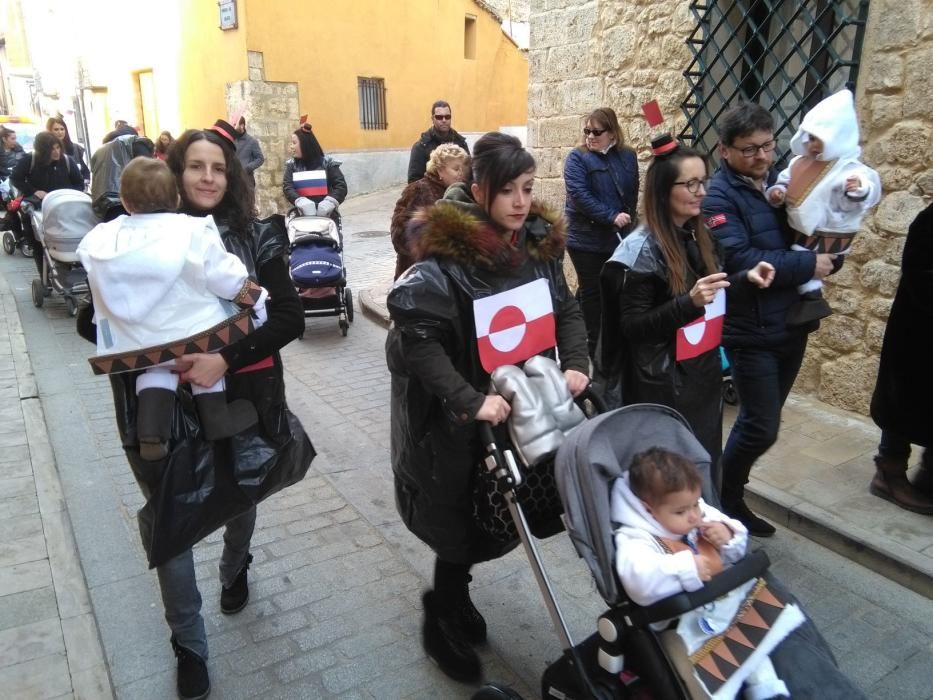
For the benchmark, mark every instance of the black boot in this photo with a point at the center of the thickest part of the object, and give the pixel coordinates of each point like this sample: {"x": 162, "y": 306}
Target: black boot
{"x": 221, "y": 419}
{"x": 154, "y": 422}
{"x": 759, "y": 527}
{"x": 193, "y": 681}
{"x": 471, "y": 621}
{"x": 444, "y": 641}
{"x": 811, "y": 307}
{"x": 235, "y": 598}
{"x": 923, "y": 479}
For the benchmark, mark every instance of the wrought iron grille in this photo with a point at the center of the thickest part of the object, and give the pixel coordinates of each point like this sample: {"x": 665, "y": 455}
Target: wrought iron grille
{"x": 372, "y": 96}
{"x": 785, "y": 55}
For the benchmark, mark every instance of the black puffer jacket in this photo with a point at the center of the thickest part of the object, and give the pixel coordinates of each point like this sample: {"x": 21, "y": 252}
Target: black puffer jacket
{"x": 58, "y": 175}
{"x": 438, "y": 382}
{"x": 336, "y": 183}
{"x": 424, "y": 147}
{"x": 9, "y": 159}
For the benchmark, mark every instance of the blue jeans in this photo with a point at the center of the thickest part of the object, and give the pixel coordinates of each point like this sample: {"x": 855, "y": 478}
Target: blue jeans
{"x": 180, "y": 595}
{"x": 763, "y": 378}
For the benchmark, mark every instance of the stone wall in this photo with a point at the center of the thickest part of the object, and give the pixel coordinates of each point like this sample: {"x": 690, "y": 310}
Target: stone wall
{"x": 271, "y": 111}
{"x": 622, "y": 53}
{"x": 893, "y": 97}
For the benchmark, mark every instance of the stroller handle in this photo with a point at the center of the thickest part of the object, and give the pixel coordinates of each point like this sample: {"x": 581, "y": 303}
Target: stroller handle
{"x": 752, "y": 566}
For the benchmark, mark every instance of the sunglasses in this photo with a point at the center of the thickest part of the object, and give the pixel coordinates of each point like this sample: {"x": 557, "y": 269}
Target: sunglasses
{"x": 442, "y": 117}
{"x": 594, "y": 132}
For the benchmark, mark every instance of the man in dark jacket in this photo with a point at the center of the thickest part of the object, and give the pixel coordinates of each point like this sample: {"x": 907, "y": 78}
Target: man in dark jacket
{"x": 441, "y": 131}
{"x": 765, "y": 354}
{"x": 248, "y": 151}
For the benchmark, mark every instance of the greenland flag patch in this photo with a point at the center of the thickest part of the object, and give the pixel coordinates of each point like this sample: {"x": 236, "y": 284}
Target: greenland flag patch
{"x": 715, "y": 220}
{"x": 705, "y": 333}
{"x": 514, "y": 325}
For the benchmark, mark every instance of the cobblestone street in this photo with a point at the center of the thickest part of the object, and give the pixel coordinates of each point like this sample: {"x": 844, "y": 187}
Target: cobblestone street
{"x": 336, "y": 582}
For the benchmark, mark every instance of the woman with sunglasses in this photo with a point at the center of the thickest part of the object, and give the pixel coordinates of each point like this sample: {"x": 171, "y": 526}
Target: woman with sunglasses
{"x": 601, "y": 176}
{"x": 657, "y": 288}
{"x": 313, "y": 182}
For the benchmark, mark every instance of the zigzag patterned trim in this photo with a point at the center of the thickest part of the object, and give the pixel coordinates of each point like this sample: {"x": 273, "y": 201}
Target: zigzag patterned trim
{"x": 215, "y": 338}
{"x": 249, "y": 294}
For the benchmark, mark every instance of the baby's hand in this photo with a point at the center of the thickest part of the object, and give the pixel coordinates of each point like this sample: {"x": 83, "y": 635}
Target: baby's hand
{"x": 776, "y": 196}
{"x": 704, "y": 571}
{"x": 853, "y": 182}
{"x": 717, "y": 534}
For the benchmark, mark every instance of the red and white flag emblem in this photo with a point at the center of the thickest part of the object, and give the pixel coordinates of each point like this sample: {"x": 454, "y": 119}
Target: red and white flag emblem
{"x": 514, "y": 325}
{"x": 705, "y": 333}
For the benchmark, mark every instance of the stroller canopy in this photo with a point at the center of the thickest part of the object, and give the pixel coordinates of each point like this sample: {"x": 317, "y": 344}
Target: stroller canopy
{"x": 67, "y": 216}
{"x": 597, "y": 453}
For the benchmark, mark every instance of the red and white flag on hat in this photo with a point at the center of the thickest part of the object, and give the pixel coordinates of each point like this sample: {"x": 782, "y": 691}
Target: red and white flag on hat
{"x": 514, "y": 325}
{"x": 705, "y": 333}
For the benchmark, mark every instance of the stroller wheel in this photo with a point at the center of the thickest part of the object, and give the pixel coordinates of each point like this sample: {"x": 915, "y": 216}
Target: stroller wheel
{"x": 38, "y": 293}
{"x": 72, "y": 306}
{"x": 344, "y": 327}
{"x": 496, "y": 691}
{"x": 9, "y": 243}
{"x": 27, "y": 249}
{"x": 348, "y": 302}
{"x": 729, "y": 394}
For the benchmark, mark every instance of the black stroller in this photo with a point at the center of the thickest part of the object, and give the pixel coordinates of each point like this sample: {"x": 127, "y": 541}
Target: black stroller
{"x": 316, "y": 266}
{"x": 626, "y": 657}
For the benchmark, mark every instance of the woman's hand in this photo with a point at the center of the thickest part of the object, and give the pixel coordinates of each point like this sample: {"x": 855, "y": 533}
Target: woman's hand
{"x": 705, "y": 289}
{"x": 576, "y": 382}
{"x": 203, "y": 368}
{"x": 762, "y": 275}
{"x": 622, "y": 220}
{"x": 494, "y": 410}
{"x": 41, "y": 194}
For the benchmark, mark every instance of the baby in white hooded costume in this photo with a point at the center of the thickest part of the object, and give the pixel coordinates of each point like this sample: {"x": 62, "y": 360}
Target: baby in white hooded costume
{"x": 158, "y": 279}
{"x": 826, "y": 190}
{"x": 670, "y": 541}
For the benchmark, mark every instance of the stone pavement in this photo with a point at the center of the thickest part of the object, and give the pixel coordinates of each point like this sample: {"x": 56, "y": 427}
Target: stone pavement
{"x": 336, "y": 581}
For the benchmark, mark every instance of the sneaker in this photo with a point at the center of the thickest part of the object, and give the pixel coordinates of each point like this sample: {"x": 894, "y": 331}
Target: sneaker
{"x": 445, "y": 643}
{"x": 235, "y": 598}
{"x": 193, "y": 681}
{"x": 759, "y": 527}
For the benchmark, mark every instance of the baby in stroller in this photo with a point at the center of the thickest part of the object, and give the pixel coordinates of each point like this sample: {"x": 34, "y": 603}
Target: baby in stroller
{"x": 671, "y": 540}
{"x": 158, "y": 281}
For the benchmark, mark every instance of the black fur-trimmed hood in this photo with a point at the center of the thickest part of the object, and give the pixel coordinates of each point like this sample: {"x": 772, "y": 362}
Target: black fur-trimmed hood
{"x": 458, "y": 229}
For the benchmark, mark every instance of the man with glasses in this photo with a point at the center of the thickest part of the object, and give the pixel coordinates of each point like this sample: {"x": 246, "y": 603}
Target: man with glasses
{"x": 441, "y": 131}
{"x": 764, "y": 353}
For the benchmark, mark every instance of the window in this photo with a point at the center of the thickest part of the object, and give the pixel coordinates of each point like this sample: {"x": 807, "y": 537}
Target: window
{"x": 372, "y": 93}
{"x": 469, "y": 37}
{"x": 785, "y": 56}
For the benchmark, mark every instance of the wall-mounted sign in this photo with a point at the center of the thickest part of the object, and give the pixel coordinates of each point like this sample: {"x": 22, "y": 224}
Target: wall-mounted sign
{"x": 227, "y": 14}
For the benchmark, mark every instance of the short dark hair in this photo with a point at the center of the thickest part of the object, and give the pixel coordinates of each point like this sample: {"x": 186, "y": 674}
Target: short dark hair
{"x": 439, "y": 103}
{"x": 657, "y": 472}
{"x": 147, "y": 185}
{"x": 497, "y": 160}
{"x": 743, "y": 119}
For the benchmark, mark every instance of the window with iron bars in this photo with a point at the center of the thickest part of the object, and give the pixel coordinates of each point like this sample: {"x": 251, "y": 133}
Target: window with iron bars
{"x": 372, "y": 95}
{"x": 787, "y": 56}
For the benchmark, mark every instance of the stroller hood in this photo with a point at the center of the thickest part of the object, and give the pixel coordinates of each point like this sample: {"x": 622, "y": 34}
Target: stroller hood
{"x": 600, "y": 451}
{"x": 67, "y": 215}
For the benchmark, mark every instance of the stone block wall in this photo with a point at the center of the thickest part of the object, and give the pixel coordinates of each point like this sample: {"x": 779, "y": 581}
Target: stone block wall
{"x": 271, "y": 111}
{"x": 622, "y": 53}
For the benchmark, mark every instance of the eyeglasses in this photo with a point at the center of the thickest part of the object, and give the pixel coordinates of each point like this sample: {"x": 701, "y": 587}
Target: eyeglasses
{"x": 594, "y": 132}
{"x": 442, "y": 117}
{"x": 693, "y": 186}
{"x": 749, "y": 151}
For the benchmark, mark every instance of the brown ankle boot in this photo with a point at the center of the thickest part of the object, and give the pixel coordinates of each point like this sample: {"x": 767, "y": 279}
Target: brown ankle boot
{"x": 923, "y": 479}
{"x": 890, "y": 483}
{"x": 220, "y": 419}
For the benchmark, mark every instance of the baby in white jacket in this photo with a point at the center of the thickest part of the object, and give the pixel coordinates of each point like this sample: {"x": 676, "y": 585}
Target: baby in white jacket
{"x": 670, "y": 540}
{"x": 160, "y": 278}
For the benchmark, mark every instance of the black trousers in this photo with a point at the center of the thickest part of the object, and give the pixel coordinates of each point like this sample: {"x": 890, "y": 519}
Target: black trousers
{"x": 588, "y": 266}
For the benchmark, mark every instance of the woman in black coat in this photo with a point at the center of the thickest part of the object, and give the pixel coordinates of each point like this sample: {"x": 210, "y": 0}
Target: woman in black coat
{"x": 308, "y": 157}
{"x": 902, "y": 404}
{"x": 474, "y": 245}
{"x": 661, "y": 329}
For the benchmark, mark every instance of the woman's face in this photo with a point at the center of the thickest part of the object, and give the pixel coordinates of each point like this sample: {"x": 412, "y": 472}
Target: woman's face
{"x": 204, "y": 179}
{"x": 451, "y": 172}
{"x": 9, "y": 140}
{"x": 510, "y": 205}
{"x": 56, "y": 151}
{"x": 685, "y": 204}
{"x": 294, "y": 147}
{"x": 59, "y": 130}
{"x": 165, "y": 140}
{"x": 598, "y": 137}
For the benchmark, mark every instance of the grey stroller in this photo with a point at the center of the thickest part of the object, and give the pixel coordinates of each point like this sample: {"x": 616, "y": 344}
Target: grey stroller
{"x": 626, "y": 657}
{"x": 65, "y": 219}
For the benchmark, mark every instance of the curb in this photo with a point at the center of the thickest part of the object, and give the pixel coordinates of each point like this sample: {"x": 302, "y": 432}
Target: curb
{"x": 891, "y": 560}
{"x": 90, "y": 675}
{"x": 373, "y": 309}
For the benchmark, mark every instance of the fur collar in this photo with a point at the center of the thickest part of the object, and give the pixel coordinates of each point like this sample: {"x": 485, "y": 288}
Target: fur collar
{"x": 461, "y": 232}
